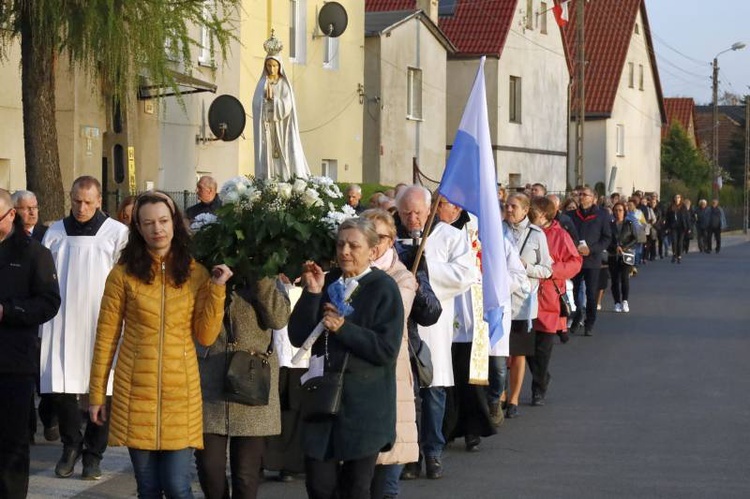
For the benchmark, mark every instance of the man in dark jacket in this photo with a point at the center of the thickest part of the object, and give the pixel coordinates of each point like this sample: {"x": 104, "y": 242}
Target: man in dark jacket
{"x": 29, "y": 296}
{"x": 593, "y": 227}
{"x": 716, "y": 223}
{"x": 208, "y": 198}
{"x": 27, "y": 209}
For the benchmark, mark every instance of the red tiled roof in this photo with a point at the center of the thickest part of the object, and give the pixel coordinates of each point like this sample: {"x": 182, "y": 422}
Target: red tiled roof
{"x": 389, "y": 5}
{"x": 479, "y": 28}
{"x": 609, "y": 27}
{"x": 679, "y": 109}
{"x": 476, "y": 27}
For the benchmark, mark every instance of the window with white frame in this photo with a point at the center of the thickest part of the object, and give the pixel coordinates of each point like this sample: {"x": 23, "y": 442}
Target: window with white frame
{"x": 514, "y": 101}
{"x": 640, "y": 77}
{"x": 331, "y": 54}
{"x": 543, "y": 18}
{"x": 631, "y": 75}
{"x": 205, "y": 56}
{"x": 297, "y": 31}
{"x": 329, "y": 168}
{"x": 620, "y": 145}
{"x": 414, "y": 94}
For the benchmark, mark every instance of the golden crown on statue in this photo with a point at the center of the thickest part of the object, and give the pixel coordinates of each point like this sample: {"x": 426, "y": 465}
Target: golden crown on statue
{"x": 273, "y": 45}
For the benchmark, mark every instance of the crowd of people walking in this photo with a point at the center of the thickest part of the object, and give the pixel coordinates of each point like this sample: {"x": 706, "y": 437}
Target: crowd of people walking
{"x": 122, "y": 333}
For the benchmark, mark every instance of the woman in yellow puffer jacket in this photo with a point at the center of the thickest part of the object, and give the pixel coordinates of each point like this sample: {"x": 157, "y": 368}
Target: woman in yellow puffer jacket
{"x": 166, "y": 301}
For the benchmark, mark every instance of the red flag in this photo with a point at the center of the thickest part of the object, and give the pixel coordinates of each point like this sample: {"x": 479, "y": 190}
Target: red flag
{"x": 560, "y": 11}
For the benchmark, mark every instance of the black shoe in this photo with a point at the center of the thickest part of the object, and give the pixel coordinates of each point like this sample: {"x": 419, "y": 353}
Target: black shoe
{"x": 575, "y": 326}
{"x": 679, "y": 259}
{"x": 589, "y": 331}
{"x": 66, "y": 464}
{"x": 512, "y": 411}
{"x": 472, "y": 443}
{"x": 52, "y": 433}
{"x": 537, "y": 399}
{"x": 285, "y": 476}
{"x": 564, "y": 337}
{"x": 434, "y": 468}
{"x": 411, "y": 471}
{"x": 91, "y": 471}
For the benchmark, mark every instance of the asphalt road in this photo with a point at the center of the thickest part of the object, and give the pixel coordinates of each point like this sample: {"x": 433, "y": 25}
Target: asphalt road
{"x": 655, "y": 404}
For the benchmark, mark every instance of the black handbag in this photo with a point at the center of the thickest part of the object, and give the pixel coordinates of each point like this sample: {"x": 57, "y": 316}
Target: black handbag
{"x": 247, "y": 379}
{"x": 321, "y": 395}
{"x": 421, "y": 361}
{"x": 566, "y": 310}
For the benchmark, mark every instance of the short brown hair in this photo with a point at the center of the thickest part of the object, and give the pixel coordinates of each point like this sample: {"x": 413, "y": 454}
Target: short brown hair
{"x": 86, "y": 182}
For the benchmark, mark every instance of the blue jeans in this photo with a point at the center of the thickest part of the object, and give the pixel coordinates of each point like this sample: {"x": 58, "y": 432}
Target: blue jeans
{"x": 167, "y": 472}
{"x": 498, "y": 372}
{"x": 433, "y": 410}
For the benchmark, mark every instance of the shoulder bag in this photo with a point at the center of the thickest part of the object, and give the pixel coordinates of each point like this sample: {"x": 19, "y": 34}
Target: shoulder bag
{"x": 421, "y": 361}
{"x": 321, "y": 395}
{"x": 247, "y": 379}
{"x": 566, "y": 310}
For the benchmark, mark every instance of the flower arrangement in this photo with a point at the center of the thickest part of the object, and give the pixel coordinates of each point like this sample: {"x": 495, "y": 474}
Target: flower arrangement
{"x": 269, "y": 226}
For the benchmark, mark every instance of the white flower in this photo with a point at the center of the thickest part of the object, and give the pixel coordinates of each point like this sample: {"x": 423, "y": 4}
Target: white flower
{"x": 299, "y": 186}
{"x": 203, "y": 220}
{"x": 311, "y": 197}
{"x": 231, "y": 196}
{"x": 348, "y": 211}
{"x": 284, "y": 190}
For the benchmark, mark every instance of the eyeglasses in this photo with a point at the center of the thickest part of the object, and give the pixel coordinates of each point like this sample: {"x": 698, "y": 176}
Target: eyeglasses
{"x": 6, "y": 214}
{"x": 28, "y": 208}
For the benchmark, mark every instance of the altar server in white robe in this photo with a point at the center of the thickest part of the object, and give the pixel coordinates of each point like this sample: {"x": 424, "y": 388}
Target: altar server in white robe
{"x": 452, "y": 271}
{"x": 85, "y": 246}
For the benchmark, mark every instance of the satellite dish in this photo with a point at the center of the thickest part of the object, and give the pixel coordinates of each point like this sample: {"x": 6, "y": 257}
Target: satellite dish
{"x": 333, "y": 19}
{"x": 226, "y": 118}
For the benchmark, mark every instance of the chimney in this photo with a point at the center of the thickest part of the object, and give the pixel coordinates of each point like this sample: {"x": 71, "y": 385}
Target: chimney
{"x": 430, "y": 8}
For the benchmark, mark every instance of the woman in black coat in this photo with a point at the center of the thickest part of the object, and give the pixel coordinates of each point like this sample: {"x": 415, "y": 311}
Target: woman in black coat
{"x": 341, "y": 450}
{"x": 678, "y": 224}
{"x": 623, "y": 240}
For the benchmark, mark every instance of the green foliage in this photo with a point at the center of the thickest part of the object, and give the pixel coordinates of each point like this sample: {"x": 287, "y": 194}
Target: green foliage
{"x": 269, "y": 227}
{"x": 119, "y": 40}
{"x": 681, "y": 161}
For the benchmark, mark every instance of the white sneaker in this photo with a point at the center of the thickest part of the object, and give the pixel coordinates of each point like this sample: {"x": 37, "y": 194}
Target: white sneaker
{"x": 618, "y": 307}
{"x": 625, "y": 306}
{"x": 599, "y": 306}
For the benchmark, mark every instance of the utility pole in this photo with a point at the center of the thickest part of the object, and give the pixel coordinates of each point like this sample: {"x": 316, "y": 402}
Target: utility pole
{"x": 715, "y": 130}
{"x": 745, "y": 219}
{"x": 581, "y": 118}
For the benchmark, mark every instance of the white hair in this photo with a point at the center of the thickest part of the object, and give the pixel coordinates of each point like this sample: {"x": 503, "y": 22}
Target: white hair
{"x": 19, "y": 196}
{"x": 414, "y": 188}
{"x": 353, "y": 187}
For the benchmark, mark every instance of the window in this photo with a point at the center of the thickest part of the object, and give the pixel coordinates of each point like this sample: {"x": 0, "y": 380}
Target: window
{"x": 637, "y": 29}
{"x": 529, "y": 14}
{"x": 331, "y": 55}
{"x": 297, "y": 33}
{"x": 205, "y": 56}
{"x": 329, "y": 168}
{"x": 414, "y": 94}
{"x": 631, "y": 75}
{"x": 543, "y": 18}
{"x": 514, "y": 104}
{"x": 640, "y": 76}
{"x": 620, "y": 140}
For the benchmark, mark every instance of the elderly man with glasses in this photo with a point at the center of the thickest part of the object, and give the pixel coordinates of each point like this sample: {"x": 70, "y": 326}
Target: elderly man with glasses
{"x": 27, "y": 208}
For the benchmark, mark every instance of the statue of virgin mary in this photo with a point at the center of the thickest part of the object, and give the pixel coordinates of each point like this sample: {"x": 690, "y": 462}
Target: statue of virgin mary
{"x": 278, "y": 148}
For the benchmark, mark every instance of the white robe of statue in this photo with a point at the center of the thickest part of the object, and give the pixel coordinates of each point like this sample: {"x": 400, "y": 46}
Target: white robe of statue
{"x": 83, "y": 264}
{"x": 278, "y": 148}
{"x": 450, "y": 263}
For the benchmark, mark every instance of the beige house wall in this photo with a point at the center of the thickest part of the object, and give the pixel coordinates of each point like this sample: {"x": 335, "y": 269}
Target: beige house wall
{"x": 12, "y": 161}
{"x": 394, "y": 139}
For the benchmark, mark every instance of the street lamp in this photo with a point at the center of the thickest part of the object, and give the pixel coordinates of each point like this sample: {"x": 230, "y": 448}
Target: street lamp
{"x": 715, "y": 149}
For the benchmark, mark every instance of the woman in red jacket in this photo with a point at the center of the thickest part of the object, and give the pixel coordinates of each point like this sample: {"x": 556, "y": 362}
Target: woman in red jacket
{"x": 567, "y": 263}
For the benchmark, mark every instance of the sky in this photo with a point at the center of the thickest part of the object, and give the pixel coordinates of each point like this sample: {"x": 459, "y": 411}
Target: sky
{"x": 688, "y": 34}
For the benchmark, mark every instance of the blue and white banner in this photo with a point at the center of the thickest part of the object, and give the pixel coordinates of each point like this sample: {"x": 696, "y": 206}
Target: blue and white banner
{"x": 470, "y": 181}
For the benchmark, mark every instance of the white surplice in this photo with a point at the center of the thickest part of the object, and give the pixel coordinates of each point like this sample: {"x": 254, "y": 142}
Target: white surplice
{"x": 83, "y": 264}
{"x": 450, "y": 263}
